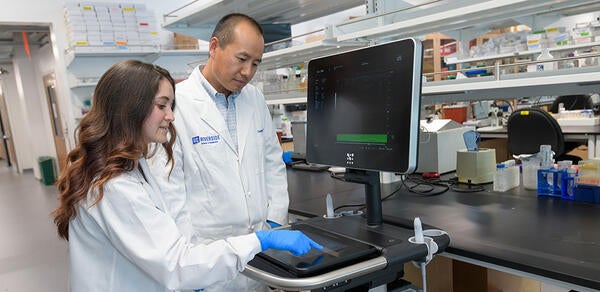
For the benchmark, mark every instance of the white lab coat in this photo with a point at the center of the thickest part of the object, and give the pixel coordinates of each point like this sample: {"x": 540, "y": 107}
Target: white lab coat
{"x": 127, "y": 243}
{"x": 228, "y": 192}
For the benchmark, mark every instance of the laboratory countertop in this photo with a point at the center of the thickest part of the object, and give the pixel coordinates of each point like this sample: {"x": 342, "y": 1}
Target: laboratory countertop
{"x": 566, "y": 130}
{"x": 552, "y": 238}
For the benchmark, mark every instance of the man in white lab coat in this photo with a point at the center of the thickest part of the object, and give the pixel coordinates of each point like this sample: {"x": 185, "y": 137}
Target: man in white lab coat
{"x": 229, "y": 177}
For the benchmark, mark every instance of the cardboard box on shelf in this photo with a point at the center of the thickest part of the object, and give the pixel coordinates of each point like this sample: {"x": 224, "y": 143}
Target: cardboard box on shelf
{"x": 183, "y": 42}
{"x": 314, "y": 38}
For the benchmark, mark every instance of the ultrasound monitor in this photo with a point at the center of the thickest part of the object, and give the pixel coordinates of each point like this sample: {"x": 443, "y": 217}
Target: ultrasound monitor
{"x": 363, "y": 108}
{"x": 363, "y": 113}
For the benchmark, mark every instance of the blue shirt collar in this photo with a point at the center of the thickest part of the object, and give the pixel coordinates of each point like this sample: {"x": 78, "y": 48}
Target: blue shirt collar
{"x": 213, "y": 92}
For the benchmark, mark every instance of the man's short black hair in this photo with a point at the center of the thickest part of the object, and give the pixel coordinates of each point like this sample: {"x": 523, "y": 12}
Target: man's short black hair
{"x": 224, "y": 29}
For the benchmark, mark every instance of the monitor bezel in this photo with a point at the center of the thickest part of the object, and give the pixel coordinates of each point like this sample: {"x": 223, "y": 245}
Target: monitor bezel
{"x": 415, "y": 92}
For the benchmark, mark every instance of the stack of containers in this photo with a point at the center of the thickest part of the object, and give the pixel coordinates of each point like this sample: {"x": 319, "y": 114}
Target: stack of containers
{"x": 506, "y": 176}
{"x": 106, "y": 27}
{"x": 76, "y": 19}
{"x": 557, "y": 37}
{"x": 537, "y": 40}
{"x": 146, "y": 27}
{"x": 583, "y": 34}
{"x": 548, "y": 38}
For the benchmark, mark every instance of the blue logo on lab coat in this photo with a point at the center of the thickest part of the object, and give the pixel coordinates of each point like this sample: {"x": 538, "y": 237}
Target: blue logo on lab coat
{"x": 206, "y": 139}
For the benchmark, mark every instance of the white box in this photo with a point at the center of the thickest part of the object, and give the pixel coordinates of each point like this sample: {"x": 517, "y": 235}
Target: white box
{"x": 93, "y": 28}
{"x": 117, "y": 20}
{"x": 95, "y": 43}
{"x": 103, "y": 17}
{"x": 579, "y": 121}
{"x": 76, "y": 27}
{"x": 438, "y": 142}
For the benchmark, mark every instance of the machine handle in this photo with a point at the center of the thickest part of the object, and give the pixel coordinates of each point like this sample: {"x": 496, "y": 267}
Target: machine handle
{"x": 314, "y": 282}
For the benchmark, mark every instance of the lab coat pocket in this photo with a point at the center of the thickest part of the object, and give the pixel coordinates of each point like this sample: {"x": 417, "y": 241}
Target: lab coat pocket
{"x": 198, "y": 180}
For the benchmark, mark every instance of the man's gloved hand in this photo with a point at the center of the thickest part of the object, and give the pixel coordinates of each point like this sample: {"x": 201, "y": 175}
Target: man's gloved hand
{"x": 273, "y": 224}
{"x": 293, "y": 241}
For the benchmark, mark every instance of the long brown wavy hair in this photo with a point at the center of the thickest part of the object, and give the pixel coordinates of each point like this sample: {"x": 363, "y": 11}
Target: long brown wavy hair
{"x": 110, "y": 137}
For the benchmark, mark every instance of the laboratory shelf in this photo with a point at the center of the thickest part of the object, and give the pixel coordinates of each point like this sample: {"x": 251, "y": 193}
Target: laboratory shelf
{"x": 79, "y": 84}
{"x": 305, "y": 52}
{"x": 198, "y": 18}
{"x": 75, "y": 53}
{"x": 439, "y": 16}
{"x": 183, "y": 52}
{"x": 456, "y": 60}
{"x": 285, "y": 97}
{"x": 455, "y": 15}
{"x": 289, "y": 100}
{"x": 558, "y": 82}
{"x": 86, "y": 67}
{"x": 448, "y": 17}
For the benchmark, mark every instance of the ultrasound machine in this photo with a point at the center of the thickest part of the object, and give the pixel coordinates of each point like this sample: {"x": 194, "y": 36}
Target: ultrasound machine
{"x": 363, "y": 115}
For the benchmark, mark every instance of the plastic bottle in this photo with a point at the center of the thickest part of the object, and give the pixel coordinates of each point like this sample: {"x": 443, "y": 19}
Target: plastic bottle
{"x": 297, "y": 78}
{"x": 500, "y": 178}
{"x": 546, "y": 66}
{"x": 285, "y": 83}
{"x": 286, "y": 127}
{"x": 547, "y": 174}
{"x": 570, "y": 64}
{"x": 546, "y": 156}
{"x": 506, "y": 176}
{"x": 561, "y": 172}
{"x": 561, "y": 111}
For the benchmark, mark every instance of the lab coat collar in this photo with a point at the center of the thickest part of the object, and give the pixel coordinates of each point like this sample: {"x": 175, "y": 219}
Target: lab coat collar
{"x": 208, "y": 110}
{"x": 244, "y": 111}
{"x": 212, "y": 92}
{"x": 151, "y": 186}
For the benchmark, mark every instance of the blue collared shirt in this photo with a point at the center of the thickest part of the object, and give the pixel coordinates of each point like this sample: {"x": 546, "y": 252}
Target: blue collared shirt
{"x": 226, "y": 107}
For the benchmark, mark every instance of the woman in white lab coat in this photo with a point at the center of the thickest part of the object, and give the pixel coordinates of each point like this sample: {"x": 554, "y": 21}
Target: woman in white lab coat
{"x": 120, "y": 237}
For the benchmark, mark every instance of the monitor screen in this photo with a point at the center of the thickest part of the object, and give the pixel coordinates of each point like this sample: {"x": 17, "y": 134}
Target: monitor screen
{"x": 363, "y": 108}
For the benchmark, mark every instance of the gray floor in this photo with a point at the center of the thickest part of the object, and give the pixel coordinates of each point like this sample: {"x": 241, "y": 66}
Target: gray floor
{"x": 32, "y": 257}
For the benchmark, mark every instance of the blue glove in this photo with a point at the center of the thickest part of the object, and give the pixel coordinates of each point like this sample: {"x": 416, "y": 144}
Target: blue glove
{"x": 287, "y": 156}
{"x": 293, "y": 241}
{"x": 273, "y": 224}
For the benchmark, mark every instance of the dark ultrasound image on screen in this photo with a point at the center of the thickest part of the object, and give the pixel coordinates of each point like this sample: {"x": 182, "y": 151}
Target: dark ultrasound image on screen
{"x": 349, "y": 121}
{"x": 361, "y": 106}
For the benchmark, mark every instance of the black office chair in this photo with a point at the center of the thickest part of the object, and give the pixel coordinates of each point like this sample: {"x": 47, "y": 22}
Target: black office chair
{"x": 572, "y": 102}
{"x": 531, "y": 127}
